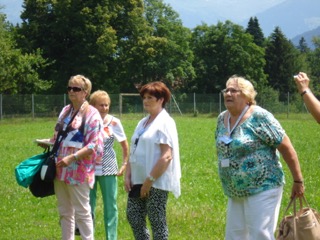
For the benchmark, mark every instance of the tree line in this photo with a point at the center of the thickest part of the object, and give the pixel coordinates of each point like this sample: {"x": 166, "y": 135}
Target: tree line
{"x": 122, "y": 44}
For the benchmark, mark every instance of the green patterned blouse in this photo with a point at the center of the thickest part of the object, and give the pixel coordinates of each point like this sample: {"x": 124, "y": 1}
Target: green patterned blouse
{"x": 252, "y": 159}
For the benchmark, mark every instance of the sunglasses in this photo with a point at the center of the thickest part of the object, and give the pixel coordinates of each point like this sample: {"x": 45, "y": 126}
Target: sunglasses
{"x": 231, "y": 90}
{"x": 74, "y": 89}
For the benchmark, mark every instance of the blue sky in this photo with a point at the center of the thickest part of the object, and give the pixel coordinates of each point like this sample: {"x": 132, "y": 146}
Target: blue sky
{"x": 192, "y": 12}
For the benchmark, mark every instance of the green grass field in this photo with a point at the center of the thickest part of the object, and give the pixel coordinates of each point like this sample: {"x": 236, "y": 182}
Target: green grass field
{"x": 198, "y": 214}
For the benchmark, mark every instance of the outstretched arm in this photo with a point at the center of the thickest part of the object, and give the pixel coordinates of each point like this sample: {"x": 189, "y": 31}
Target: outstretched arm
{"x": 312, "y": 103}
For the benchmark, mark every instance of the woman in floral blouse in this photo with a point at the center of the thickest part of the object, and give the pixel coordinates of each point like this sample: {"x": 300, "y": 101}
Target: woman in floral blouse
{"x": 76, "y": 158}
{"x": 248, "y": 139}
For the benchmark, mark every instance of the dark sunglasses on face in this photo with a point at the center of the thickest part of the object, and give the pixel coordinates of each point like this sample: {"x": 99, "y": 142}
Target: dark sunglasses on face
{"x": 74, "y": 89}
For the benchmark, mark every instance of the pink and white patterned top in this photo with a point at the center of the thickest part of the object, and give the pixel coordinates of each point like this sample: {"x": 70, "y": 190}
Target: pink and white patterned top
{"x": 87, "y": 134}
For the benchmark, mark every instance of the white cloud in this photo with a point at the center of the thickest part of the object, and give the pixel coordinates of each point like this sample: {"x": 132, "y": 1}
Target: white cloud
{"x": 312, "y": 23}
{"x": 234, "y": 10}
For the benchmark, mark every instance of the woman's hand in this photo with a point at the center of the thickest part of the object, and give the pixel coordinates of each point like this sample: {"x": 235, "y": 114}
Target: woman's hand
{"x": 297, "y": 190}
{"x": 122, "y": 169}
{"x": 43, "y": 145}
{"x": 145, "y": 189}
{"x": 302, "y": 81}
{"x": 66, "y": 161}
{"x": 127, "y": 184}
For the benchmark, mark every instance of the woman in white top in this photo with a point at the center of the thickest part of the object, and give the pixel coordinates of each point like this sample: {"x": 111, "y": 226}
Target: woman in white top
{"x": 154, "y": 165}
{"x": 106, "y": 171}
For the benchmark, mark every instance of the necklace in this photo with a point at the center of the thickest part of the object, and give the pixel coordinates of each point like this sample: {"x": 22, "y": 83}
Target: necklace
{"x": 238, "y": 120}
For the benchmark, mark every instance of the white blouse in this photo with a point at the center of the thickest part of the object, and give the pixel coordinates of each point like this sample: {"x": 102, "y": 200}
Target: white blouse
{"x": 113, "y": 129}
{"x": 145, "y": 152}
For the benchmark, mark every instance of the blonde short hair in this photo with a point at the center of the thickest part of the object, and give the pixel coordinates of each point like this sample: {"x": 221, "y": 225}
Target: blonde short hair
{"x": 98, "y": 95}
{"x": 246, "y": 88}
{"x": 82, "y": 81}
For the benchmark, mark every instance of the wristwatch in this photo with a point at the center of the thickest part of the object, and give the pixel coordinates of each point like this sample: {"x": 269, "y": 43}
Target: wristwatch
{"x": 152, "y": 179}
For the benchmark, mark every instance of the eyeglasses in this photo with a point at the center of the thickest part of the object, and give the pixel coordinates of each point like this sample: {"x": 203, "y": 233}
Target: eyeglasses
{"x": 231, "y": 90}
{"x": 74, "y": 89}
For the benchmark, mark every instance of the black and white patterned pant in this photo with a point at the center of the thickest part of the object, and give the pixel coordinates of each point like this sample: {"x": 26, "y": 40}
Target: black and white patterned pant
{"x": 155, "y": 207}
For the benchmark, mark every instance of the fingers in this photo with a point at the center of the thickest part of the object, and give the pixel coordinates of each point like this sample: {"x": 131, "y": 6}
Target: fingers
{"x": 121, "y": 171}
{"x": 301, "y": 77}
{"x": 298, "y": 190}
{"x": 144, "y": 194}
{"x": 127, "y": 186}
{"x": 145, "y": 191}
{"x": 62, "y": 164}
{"x": 42, "y": 145}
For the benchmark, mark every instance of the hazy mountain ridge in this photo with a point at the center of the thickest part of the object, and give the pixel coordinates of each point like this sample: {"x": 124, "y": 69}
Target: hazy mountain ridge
{"x": 308, "y": 37}
{"x": 294, "y": 17}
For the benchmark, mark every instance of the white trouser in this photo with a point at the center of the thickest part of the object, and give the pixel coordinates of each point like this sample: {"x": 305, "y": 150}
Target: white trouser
{"x": 73, "y": 204}
{"x": 254, "y": 217}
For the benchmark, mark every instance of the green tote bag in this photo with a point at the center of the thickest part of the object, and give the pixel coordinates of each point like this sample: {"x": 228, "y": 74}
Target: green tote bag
{"x": 26, "y": 170}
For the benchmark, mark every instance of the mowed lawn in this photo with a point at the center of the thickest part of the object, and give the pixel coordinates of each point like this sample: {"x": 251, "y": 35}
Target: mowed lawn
{"x": 198, "y": 214}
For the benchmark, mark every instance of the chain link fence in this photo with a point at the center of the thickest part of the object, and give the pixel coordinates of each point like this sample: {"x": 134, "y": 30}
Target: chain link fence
{"x": 38, "y": 106}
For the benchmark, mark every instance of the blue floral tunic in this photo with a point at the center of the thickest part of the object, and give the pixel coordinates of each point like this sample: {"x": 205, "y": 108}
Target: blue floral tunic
{"x": 254, "y": 164}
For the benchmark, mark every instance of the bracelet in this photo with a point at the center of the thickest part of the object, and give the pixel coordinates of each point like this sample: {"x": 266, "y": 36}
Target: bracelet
{"x": 304, "y": 92}
{"x": 124, "y": 163}
{"x": 152, "y": 179}
{"x": 298, "y": 181}
{"x": 75, "y": 156}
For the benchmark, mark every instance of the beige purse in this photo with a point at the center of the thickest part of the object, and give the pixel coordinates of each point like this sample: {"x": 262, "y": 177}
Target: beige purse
{"x": 303, "y": 225}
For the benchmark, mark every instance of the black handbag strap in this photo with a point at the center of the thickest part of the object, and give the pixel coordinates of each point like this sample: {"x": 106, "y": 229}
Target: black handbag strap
{"x": 61, "y": 135}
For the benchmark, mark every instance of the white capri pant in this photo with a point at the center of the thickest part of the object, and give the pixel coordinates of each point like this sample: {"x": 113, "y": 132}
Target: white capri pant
{"x": 254, "y": 217}
{"x": 73, "y": 204}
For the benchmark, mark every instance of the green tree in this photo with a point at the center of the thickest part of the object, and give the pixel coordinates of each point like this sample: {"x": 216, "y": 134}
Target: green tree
{"x": 303, "y": 46}
{"x": 118, "y": 44}
{"x": 282, "y": 62}
{"x": 314, "y": 60}
{"x": 18, "y": 72}
{"x": 85, "y": 37}
{"x": 164, "y": 53}
{"x": 303, "y": 56}
{"x": 132, "y": 31}
{"x": 254, "y": 29}
{"x": 223, "y": 50}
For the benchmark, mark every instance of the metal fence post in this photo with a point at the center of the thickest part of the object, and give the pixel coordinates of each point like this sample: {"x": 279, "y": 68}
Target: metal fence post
{"x": 194, "y": 103}
{"x": 288, "y": 102}
{"x": 120, "y": 105}
{"x": 32, "y": 107}
{"x": 220, "y": 102}
{"x": 0, "y": 106}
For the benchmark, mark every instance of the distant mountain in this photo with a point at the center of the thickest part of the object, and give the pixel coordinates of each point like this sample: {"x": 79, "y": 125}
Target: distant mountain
{"x": 308, "y": 37}
{"x": 294, "y": 17}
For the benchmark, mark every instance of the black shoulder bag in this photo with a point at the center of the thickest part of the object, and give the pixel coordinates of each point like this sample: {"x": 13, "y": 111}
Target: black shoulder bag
{"x": 48, "y": 169}
{"x": 42, "y": 184}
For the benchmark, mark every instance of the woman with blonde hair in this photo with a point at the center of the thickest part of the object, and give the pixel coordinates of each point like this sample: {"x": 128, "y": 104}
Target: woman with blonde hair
{"x": 248, "y": 139}
{"x": 76, "y": 157}
{"x": 106, "y": 171}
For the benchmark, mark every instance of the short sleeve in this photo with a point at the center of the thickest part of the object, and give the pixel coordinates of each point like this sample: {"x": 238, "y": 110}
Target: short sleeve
{"x": 163, "y": 138}
{"x": 118, "y": 130}
{"x": 268, "y": 128}
{"x": 164, "y": 134}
